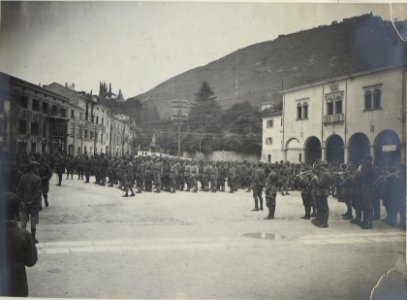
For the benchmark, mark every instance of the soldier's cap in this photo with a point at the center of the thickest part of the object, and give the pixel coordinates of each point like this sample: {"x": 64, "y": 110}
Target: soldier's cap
{"x": 33, "y": 164}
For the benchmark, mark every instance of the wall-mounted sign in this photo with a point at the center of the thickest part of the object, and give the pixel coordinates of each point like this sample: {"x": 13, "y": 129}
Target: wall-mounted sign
{"x": 389, "y": 148}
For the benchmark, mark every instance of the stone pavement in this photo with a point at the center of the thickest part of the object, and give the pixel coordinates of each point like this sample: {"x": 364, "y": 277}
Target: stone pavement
{"x": 94, "y": 243}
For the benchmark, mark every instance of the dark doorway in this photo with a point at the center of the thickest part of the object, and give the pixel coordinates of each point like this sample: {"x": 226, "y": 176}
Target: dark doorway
{"x": 387, "y": 148}
{"x": 335, "y": 149}
{"x": 313, "y": 150}
{"x": 359, "y": 147}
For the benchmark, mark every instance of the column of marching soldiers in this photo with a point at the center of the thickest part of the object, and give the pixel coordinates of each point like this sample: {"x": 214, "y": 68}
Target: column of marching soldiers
{"x": 362, "y": 187}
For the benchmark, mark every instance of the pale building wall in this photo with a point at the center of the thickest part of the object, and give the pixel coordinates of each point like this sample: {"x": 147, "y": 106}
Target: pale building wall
{"x": 275, "y": 148}
{"x": 355, "y": 118}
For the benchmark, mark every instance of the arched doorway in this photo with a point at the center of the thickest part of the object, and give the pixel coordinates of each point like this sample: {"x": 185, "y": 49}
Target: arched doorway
{"x": 293, "y": 150}
{"x": 313, "y": 150}
{"x": 359, "y": 147}
{"x": 387, "y": 148}
{"x": 335, "y": 149}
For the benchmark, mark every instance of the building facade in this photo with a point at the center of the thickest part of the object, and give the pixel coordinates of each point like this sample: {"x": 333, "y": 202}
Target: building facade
{"x": 272, "y": 135}
{"x": 94, "y": 128}
{"x": 348, "y": 118}
{"x": 32, "y": 119}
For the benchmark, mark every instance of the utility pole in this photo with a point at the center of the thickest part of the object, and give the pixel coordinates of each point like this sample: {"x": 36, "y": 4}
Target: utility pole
{"x": 179, "y": 114}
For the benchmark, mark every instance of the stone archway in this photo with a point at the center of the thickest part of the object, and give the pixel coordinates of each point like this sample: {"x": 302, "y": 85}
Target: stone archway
{"x": 293, "y": 150}
{"x": 335, "y": 149}
{"x": 313, "y": 150}
{"x": 359, "y": 147}
{"x": 387, "y": 148}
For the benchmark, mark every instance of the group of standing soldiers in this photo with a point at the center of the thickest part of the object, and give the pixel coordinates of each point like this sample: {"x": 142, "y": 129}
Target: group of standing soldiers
{"x": 25, "y": 178}
{"x": 361, "y": 187}
{"x": 146, "y": 173}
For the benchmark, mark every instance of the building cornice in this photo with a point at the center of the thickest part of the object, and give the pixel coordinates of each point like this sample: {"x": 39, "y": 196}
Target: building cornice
{"x": 350, "y": 76}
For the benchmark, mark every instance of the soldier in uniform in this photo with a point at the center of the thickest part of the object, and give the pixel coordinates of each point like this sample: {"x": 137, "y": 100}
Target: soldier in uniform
{"x": 81, "y": 166}
{"x": 347, "y": 190}
{"x": 365, "y": 177}
{"x": 165, "y": 177}
{"x": 139, "y": 174}
{"x": 125, "y": 171}
{"x": 258, "y": 185}
{"x": 396, "y": 195}
{"x": 29, "y": 191}
{"x": 271, "y": 193}
{"x": 173, "y": 176}
{"x": 214, "y": 177}
{"x": 187, "y": 176}
{"x": 69, "y": 166}
{"x": 19, "y": 251}
{"x": 158, "y": 172}
{"x": 205, "y": 177}
{"x": 222, "y": 173}
{"x": 45, "y": 173}
{"x": 194, "y": 176}
{"x": 104, "y": 163}
{"x": 59, "y": 163}
{"x": 87, "y": 168}
{"x": 232, "y": 176}
{"x": 180, "y": 176}
{"x": 322, "y": 181}
{"x": 148, "y": 174}
{"x": 303, "y": 182}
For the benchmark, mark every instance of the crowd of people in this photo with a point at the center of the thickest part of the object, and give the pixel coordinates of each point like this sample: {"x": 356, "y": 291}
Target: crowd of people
{"x": 361, "y": 187}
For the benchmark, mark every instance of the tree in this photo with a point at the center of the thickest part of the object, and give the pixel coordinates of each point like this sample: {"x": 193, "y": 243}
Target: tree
{"x": 205, "y": 112}
{"x": 205, "y": 93}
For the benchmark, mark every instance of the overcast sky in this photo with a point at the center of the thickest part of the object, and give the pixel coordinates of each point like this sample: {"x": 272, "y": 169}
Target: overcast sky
{"x": 136, "y": 46}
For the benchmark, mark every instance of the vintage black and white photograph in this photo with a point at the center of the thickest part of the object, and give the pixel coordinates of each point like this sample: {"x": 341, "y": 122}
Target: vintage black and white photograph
{"x": 203, "y": 150}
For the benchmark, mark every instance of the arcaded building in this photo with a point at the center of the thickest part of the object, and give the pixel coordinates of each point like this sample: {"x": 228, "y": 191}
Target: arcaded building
{"x": 347, "y": 118}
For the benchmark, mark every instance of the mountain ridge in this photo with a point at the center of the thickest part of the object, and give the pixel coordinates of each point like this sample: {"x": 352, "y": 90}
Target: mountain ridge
{"x": 257, "y": 73}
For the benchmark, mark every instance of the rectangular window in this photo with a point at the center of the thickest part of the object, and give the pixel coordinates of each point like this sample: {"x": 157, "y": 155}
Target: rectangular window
{"x": 62, "y": 112}
{"x": 35, "y": 130}
{"x": 270, "y": 123}
{"x": 54, "y": 110}
{"x": 299, "y": 112}
{"x": 377, "y": 99}
{"x": 45, "y": 108}
{"x": 23, "y": 101}
{"x": 330, "y": 108}
{"x": 269, "y": 158}
{"x": 91, "y": 134}
{"x": 86, "y": 134}
{"x": 1, "y": 106}
{"x": 300, "y": 157}
{"x": 368, "y": 101}
{"x": 72, "y": 114}
{"x": 269, "y": 141}
{"x": 22, "y": 127}
{"x": 305, "y": 111}
{"x": 338, "y": 107}
{"x": 36, "y": 105}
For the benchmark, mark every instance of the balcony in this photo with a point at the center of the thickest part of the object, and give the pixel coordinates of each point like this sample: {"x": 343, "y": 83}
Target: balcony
{"x": 333, "y": 119}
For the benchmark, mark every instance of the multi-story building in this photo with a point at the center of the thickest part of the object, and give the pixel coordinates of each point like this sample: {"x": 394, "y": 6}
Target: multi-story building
{"x": 272, "y": 134}
{"x": 94, "y": 128}
{"x": 32, "y": 119}
{"x": 347, "y": 118}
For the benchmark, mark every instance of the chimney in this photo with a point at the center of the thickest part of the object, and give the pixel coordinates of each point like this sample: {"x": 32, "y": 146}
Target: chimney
{"x": 66, "y": 84}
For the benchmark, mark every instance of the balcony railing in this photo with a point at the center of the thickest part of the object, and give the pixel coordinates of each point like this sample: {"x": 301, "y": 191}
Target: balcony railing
{"x": 333, "y": 119}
